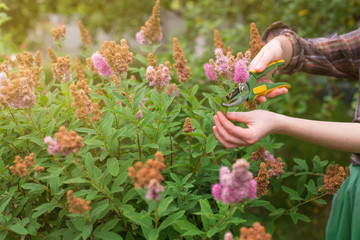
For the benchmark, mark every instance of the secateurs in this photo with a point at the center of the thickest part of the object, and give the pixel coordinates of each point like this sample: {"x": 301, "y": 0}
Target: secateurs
{"x": 250, "y": 90}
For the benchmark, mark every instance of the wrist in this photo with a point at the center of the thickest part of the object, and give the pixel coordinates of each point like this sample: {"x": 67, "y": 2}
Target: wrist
{"x": 287, "y": 48}
{"x": 278, "y": 124}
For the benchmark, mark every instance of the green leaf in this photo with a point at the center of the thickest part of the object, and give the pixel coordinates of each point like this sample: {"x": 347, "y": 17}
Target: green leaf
{"x": 44, "y": 100}
{"x": 33, "y": 139}
{"x": 171, "y": 219}
{"x": 190, "y": 228}
{"x": 46, "y": 207}
{"x": 259, "y": 203}
{"x": 76, "y": 180}
{"x": 108, "y": 236}
{"x": 163, "y": 206}
{"x": 93, "y": 141}
{"x": 303, "y": 218}
{"x": 311, "y": 187}
{"x": 194, "y": 89}
{"x": 294, "y": 195}
{"x": 211, "y": 143}
{"x": 302, "y": 163}
{"x": 17, "y": 228}
{"x": 96, "y": 212}
{"x": 113, "y": 166}
{"x": 147, "y": 119}
{"x": 33, "y": 187}
{"x": 207, "y": 216}
{"x": 277, "y": 212}
{"x": 86, "y": 231}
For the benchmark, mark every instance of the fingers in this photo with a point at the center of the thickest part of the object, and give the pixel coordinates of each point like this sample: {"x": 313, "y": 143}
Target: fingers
{"x": 223, "y": 141}
{"x": 277, "y": 92}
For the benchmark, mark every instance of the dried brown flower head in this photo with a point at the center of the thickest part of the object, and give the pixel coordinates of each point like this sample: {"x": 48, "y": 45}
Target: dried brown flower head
{"x": 141, "y": 174}
{"x": 11, "y": 61}
{"x": 262, "y": 180}
{"x": 255, "y": 40}
{"x": 180, "y": 62}
{"x": 58, "y": 33}
{"x": 275, "y": 167}
{"x": 62, "y": 69}
{"x": 38, "y": 59}
{"x": 85, "y": 36}
{"x": 256, "y": 232}
{"x": 117, "y": 56}
{"x": 259, "y": 154}
{"x": 151, "y": 61}
{"x": 68, "y": 141}
{"x": 334, "y": 178}
{"x": 152, "y": 28}
{"x": 218, "y": 43}
{"x": 21, "y": 167}
{"x": 172, "y": 89}
{"x": 79, "y": 70}
{"x": 52, "y": 55}
{"x": 188, "y": 128}
{"x": 77, "y": 205}
{"x": 249, "y": 105}
{"x": 39, "y": 169}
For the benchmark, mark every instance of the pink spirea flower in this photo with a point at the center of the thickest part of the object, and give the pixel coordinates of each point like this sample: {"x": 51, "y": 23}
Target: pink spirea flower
{"x": 241, "y": 72}
{"x": 210, "y": 72}
{"x": 222, "y": 64}
{"x": 159, "y": 78}
{"x": 275, "y": 171}
{"x": 235, "y": 186}
{"x": 154, "y": 190}
{"x": 228, "y": 236}
{"x": 141, "y": 38}
{"x": 53, "y": 145}
{"x": 101, "y": 65}
{"x": 139, "y": 114}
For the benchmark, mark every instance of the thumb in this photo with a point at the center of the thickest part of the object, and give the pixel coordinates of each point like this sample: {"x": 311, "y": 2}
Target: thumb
{"x": 239, "y": 116}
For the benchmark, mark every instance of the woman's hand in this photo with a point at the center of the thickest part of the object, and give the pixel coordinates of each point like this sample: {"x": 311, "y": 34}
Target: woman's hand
{"x": 271, "y": 52}
{"x": 259, "y": 124}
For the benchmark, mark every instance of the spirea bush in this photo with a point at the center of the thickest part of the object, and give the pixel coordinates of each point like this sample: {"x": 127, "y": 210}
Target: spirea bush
{"x": 106, "y": 150}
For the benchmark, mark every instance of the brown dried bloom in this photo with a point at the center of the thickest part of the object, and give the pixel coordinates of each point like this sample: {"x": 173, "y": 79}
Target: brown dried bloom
{"x": 141, "y": 174}
{"x": 334, "y": 178}
{"x": 4, "y": 67}
{"x": 218, "y": 43}
{"x": 275, "y": 167}
{"x": 181, "y": 69}
{"x": 79, "y": 70}
{"x": 258, "y": 155}
{"x": 62, "y": 69}
{"x": 255, "y": 40}
{"x": 249, "y": 105}
{"x": 151, "y": 61}
{"x": 188, "y": 128}
{"x": 39, "y": 169}
{"x": 18, "y": 89}
{"x": 152, "y": 28}
{"x": 85, "y": 36}
{"x": 52, "y": 55}
{"x": 256, "y": 232}
{"x": 262, "y": 180}
{"x": 68, "y": 141}
{"x": 90, "y": 65}
{"x": 85, "y": 108}
{"x": 172, "y": 89}
{"x": 117, "y": 56}
{"x": 21, "y": 167}
{"x": 58, "y": 33}
{"x": 77, "y": 205}
{"x": 11, "y": 61}
{"x": 38, "y": 59}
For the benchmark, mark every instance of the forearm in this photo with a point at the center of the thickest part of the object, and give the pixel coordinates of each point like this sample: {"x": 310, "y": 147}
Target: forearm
{"x": 335, "y": 135}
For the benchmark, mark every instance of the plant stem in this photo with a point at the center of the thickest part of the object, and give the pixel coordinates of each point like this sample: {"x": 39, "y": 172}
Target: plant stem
{"x": 49, "y": 191}
{"x": 197, "y": 162}
{"x": 226, "y": 214}
{"x": 310, "y": 200}
{"x": 106, "y": 195}
{"x": 20, "y": 189}
{"x": 31, "y": 119}
{"x": 156, "y": 216}
{"x": 66, "y": 172}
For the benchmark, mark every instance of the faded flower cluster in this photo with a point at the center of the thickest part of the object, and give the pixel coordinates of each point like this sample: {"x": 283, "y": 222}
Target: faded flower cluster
{"x": 157, "y": 76}
{"x": 61, "y": 69}
{"x": 218, "y": 43}
{"x": 21, "y": 167}
{"x": 64, "y": 143}
{"x": 149, "y": 175}
{"x": 262, "y": 180}
{"x": 255, "y": 40}
{"x": 17, "y": 89}
{"x": 111, "y": 59}
{"x": 235, "y": 186}
{"x": 182, "y": 70}
{"x": 151, "y": 32}
{"x": 334, "y": 178}
{"x": 274, "y": 165}
{"x": 256, "y": 232}
{"x": 77, "y": 205}
{"x": 85, "y": 36}
{"x": 188, "y": 127}
{"x": 58, "y": 33}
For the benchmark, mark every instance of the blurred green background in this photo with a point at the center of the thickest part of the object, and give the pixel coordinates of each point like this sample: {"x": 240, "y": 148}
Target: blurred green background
{"x": 26, "y": 24}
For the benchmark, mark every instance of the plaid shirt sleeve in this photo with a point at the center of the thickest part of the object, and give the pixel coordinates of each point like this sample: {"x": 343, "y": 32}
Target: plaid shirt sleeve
{"x": 335, "y": 55}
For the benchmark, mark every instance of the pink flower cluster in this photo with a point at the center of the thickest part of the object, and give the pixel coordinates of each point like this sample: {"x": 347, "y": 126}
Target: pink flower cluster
{"x": 228, "y": 66}
{"x": 141, "y": 38}
{"x": 159, "y": 78}
{"x": 235, "y": 186}
{"x": 154, "y": 190}
{"x": 101, "y": 65}
{"x": 276, "y": 166}
{"x": 53, "y": 145}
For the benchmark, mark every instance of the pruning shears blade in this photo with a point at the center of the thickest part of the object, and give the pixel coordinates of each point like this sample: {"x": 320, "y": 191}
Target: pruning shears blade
{"x": 240, "y": 94}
